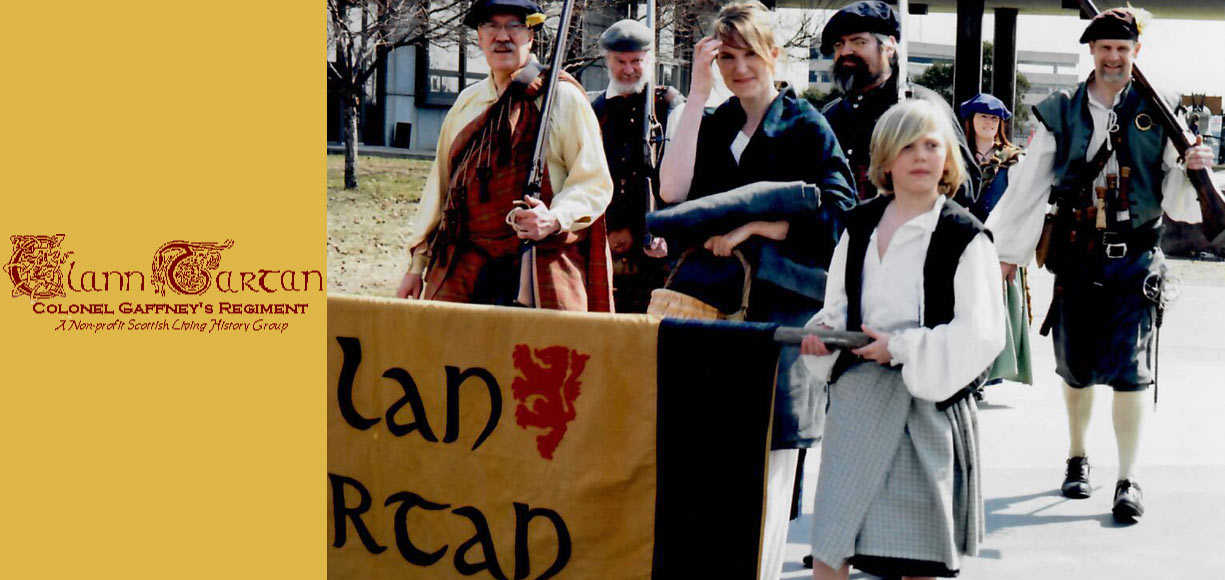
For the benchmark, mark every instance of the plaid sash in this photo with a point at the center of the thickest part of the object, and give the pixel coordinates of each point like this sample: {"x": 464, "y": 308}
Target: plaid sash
{"x": 490, "y": 160}
{"x": 864, "y": 187}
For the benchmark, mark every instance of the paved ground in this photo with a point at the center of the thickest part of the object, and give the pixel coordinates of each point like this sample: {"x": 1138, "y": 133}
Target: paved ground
{"x": 1033, "y": 532}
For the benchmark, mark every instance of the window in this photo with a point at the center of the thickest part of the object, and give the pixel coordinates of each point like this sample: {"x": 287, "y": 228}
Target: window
{"x": 447, "y": 67}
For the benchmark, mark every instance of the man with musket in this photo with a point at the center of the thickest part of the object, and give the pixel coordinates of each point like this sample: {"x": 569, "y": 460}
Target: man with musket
{"x": 1105, "y": 163}
{"x": 474, "y": 222}
{"x": 628, "y": 55}
{"x": 862, "y": 38}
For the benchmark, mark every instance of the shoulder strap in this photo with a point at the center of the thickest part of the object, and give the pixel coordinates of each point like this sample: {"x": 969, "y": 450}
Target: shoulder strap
{"x": 1085, "y": 179}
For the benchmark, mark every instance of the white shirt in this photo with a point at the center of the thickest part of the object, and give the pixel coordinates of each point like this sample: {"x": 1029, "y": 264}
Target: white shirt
{"x": 739, "y": 144}
{"x": 1016, "y": 222}
{"x": 936, "y": 362}
{"x": 578, "y": 170}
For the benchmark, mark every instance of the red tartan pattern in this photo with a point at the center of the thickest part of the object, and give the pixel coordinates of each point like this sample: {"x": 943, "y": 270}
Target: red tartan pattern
{"x": 863, "y": 184}
{"x": 572, "y": 270}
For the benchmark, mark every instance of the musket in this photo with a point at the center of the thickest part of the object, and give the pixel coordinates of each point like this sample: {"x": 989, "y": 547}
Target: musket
{"x": 649, "y": 144}
{"x": 536, "y": 175}
{"x": 831, "y": 338}
{"x": 1211, "y": 205}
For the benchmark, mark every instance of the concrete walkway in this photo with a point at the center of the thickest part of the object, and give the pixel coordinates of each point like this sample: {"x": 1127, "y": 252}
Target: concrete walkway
{"x": 1035, "y": 533}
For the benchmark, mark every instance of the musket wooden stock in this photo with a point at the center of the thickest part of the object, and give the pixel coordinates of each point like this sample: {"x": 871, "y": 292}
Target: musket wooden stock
{"x": 1211, "y": 204}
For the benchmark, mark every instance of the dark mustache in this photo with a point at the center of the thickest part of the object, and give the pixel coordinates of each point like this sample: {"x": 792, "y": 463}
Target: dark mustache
{"x": 850, "y": 61}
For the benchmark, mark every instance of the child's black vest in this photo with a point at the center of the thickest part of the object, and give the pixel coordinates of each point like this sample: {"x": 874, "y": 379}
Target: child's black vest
{"x": 955, "y": 229}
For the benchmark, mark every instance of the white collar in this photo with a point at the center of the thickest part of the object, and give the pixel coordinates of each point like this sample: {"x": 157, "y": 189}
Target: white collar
{"x": 927, "y": 220}
{"x": 1093, "y": 102}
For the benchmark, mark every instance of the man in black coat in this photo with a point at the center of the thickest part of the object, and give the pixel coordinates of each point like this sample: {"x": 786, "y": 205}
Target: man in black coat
{"x": 628, "y": 55}
{"x": 862, "y": 38}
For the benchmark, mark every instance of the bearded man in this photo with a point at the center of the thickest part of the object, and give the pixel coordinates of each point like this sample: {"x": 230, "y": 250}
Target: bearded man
{"x": 628, "y": 55}
{"x": 862, "y": 38}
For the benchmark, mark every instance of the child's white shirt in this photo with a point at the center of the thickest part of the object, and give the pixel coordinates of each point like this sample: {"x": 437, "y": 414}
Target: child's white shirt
{"x": 936, "y": 362}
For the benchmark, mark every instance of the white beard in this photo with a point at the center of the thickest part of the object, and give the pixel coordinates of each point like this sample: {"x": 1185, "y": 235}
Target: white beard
{"x": 619, "y": 88}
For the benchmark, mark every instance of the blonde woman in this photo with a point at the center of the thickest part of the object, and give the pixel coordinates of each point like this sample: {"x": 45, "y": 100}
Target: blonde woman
{"x": 764, "y": 133}
{"x": 898, "y": 493}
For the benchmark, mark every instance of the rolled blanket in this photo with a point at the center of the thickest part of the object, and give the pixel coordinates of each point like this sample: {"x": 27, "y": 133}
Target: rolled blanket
{"x": 692, "y": 222}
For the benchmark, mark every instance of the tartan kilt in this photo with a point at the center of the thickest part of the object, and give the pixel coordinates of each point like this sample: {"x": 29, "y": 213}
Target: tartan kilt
{"x": 456, "y": 280}
{"x": 574, "y": 271}
{"x": 899, "y": 482}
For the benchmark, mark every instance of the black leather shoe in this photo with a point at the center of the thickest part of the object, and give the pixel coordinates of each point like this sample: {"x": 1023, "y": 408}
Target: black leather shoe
{"x": 1127, "y": 498}
{"x": 1076, "y": 479}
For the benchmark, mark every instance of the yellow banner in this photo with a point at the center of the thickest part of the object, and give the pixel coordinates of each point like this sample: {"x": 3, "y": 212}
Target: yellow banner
{"x": 505, "y": 442}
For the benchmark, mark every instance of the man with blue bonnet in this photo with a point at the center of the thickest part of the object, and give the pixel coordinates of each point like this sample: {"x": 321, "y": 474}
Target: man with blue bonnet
{"x": 1110, "y": 172}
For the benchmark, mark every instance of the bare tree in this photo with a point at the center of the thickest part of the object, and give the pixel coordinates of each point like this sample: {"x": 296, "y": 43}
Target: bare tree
{"x": 363, "y": 33}
{"x": 689, "y": 20}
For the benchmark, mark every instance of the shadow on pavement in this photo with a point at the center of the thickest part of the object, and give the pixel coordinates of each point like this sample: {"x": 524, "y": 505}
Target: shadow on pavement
{"x": 989, "y": 406}
{"x": 997, "y": 521}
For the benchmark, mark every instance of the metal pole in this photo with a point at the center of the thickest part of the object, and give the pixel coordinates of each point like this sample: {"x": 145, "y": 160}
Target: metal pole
{"x": 903, "y": 53}
{"x": 648, "y": 121}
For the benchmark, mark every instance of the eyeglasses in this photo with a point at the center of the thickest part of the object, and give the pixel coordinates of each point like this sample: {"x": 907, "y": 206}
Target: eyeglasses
{"x": 513, "y": 28}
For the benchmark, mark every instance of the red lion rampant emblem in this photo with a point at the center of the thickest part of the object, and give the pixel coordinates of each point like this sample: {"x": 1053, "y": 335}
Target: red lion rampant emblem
{"x": 546, "y": 391}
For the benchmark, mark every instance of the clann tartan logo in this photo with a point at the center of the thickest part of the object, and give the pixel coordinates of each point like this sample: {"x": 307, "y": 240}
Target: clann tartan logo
{"x": 185, "y": 266}
{"x": 34, "y": 267}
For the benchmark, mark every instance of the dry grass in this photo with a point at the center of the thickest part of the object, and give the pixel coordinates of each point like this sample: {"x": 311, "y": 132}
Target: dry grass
{"x": 368, "y": 227}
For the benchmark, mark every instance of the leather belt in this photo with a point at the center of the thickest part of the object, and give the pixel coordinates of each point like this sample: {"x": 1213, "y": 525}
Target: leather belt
{"x": 1117, "y": 244}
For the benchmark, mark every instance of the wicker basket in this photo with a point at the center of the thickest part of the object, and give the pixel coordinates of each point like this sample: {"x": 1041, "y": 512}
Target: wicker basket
{"x": 667, "y": 303}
